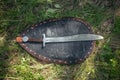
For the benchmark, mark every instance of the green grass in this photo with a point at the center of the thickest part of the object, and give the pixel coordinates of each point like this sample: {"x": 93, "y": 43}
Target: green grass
{"x": 116, "y": 29}
{"x": 109, "y": 58}
{"x": 17, "y": 64}
{"x": 108, "y": 61}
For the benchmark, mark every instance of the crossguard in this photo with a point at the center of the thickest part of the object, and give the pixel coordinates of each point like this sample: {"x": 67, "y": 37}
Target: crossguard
{"x": 44, "y": 39}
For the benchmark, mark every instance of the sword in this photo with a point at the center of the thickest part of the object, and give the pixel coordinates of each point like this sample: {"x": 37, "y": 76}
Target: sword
{"x": 73, "y": 38}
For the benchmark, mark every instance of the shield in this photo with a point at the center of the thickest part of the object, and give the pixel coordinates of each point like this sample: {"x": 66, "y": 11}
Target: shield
{"x": 60, "y": 53}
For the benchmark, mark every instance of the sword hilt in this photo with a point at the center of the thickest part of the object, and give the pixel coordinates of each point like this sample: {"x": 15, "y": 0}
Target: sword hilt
{"x": 26, "y": 39}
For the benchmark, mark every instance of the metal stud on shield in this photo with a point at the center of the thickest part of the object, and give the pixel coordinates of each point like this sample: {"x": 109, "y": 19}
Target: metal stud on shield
{"x": 62, "y": 41}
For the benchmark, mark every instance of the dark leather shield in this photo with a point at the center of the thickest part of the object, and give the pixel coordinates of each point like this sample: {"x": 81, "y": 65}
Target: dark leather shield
{"x": 60, "y": 53}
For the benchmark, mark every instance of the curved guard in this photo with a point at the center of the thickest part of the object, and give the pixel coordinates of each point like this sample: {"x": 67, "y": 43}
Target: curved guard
{"x": 61, "y": 53}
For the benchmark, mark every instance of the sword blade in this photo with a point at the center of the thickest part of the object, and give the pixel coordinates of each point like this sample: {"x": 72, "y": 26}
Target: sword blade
{"x": 80, "y": 37}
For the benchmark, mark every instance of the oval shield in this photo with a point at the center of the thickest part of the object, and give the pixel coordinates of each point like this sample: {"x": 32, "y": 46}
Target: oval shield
{"x": 61, "y": 53}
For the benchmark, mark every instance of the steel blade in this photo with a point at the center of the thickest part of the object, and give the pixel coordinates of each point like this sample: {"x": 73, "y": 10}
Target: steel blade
{"x": 80, "y": 37}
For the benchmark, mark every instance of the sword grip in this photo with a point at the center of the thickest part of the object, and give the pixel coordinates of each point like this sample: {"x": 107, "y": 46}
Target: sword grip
{"x": 35, "y": 40}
